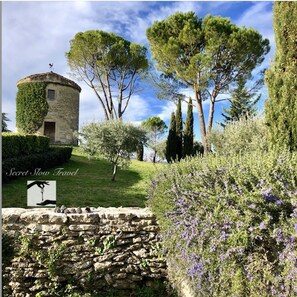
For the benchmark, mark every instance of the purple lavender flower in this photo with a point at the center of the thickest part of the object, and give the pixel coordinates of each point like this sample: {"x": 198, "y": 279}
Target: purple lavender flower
{"x": 226, "y": 227}
{"x": 196, "y": 268}
{"x": 262, "y": 225}
{"x": 294, "y": 214}
{"x": 252, "y": 206}
{"x": 282, "y": 287}
{"x": 213, "y": 247}
{"x": 224, "y": 235}
{"x": 268, "y": 196}
{"x": 237, "y": 190}
{"x": 279, "y": 235}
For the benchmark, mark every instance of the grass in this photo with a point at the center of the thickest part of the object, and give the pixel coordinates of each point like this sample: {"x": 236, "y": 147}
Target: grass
{"x": 91, "y": 186}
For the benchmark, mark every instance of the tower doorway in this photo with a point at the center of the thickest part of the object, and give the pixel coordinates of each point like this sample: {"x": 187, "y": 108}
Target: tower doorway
{"x": 50, "y": 130}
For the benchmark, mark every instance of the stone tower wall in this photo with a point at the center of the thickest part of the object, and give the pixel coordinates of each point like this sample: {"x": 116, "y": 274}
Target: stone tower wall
{"x": 64, "y": 111}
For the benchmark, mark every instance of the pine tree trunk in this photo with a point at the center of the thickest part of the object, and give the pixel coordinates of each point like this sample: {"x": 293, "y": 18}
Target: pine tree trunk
{"x": 201, "y": 119}
{"x": 154, "y": 157}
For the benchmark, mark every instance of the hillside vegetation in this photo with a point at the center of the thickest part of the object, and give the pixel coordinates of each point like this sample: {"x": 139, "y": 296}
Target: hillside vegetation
{"x": 90, "y": 186}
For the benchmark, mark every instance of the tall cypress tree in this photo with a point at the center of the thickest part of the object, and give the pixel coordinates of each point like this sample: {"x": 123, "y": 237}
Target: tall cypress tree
{"x": 179, "y": 130}
{"x": 189, "y": 131}
{"x": 242, "y": 104}
{"x": 171, "y": 141}
{"x": 281, "y": 79}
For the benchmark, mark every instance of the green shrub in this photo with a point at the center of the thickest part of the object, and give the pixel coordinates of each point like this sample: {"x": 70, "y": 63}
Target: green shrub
{"x": 27, "y": 164}
{"x": 239, "y": 137}
{"x": 31, "y": 106}
{"x": 14, "y": 145}
{"x": 230, "y": 223}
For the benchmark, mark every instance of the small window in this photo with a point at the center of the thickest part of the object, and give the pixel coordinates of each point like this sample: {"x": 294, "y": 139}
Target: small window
{"x": 51, "y": 94}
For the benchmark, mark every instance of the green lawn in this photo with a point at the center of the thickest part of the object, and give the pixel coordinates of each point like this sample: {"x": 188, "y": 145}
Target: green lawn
{"x": 91, "y": 186}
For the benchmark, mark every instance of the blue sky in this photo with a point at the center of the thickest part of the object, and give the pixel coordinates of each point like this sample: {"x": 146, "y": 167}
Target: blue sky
{"x": 35, "y": 34}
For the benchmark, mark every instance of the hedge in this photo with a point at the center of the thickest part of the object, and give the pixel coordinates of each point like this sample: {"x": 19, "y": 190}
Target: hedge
{"x": 31, "y": 106}
{"x": 25, "y": 165}
{"x": 229, "y": 224}
{"x": 15, "y": 145}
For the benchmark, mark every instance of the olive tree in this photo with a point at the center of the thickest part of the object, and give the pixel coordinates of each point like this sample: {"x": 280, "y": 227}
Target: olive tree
{"x": 110, "y": 65}
{"x": 207, "y": 55}
{"x": 114, "y": 140}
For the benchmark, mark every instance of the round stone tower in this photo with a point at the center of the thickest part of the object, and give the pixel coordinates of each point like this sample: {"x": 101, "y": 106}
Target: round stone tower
{"x": 62, "y": 118}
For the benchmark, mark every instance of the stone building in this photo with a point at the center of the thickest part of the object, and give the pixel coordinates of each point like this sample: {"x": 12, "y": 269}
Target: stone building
{"x": 62, "y": 118}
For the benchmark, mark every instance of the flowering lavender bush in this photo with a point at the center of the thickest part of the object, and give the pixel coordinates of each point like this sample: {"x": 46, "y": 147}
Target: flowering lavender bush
{"x": 231, "y": 223}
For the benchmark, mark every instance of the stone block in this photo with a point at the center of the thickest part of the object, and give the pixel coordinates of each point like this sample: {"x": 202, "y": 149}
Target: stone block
{"x": 120, "y": 275}
{"x": 53, "y": 228}
{"x": 102, "y": 266}
{"x": 83, "y": 265}
{"x": 108, "y": 279}
{"x": 35, "y": 216}
{"x": 86, "y": 227}
{"x": 120, "y": 257}
{"x": 104, "y": 257}
{"x": 58, "y": 218}
{"x": 140, "y": 253}
{"x": 11, "y": 215}
{"x": 85, "y": 218}
{"x": 135, "y": 277}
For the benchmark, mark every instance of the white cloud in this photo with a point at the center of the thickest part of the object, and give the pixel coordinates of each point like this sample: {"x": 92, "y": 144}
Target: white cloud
{"x": 91, "y": 110}
{"x": 257, "y": 16}
{"x": 166, "y": 111}
{"x": 137, "y": 110}
{"x": 137, "y": 26}
{"x": 260, "y": 17}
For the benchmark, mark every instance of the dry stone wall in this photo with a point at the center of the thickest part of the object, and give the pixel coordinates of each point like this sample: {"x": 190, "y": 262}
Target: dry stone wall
{"x": 83, "y": 251}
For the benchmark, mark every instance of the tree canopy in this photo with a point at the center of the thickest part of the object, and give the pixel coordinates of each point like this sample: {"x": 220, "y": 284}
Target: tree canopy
{"x": 242, "y": 104}
{"x": 208, "y": 55}
{"x": 281, "y": 79}
{"x": 155, "y": 128}
{"x": 110, "y": 65}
